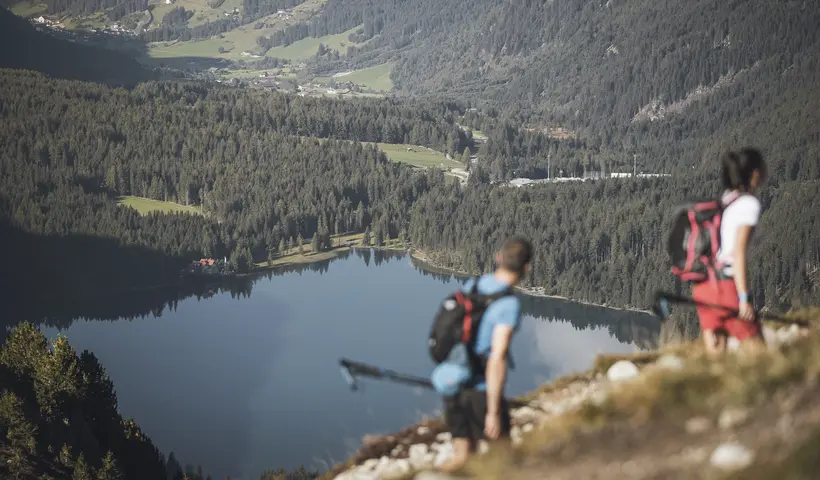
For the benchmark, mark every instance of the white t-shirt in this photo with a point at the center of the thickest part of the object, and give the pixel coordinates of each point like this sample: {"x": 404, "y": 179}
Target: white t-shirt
{"x": 743, "y": 211}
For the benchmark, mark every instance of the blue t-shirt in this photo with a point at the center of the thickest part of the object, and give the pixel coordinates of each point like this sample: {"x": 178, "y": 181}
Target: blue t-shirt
{"x": 503, "y": 311}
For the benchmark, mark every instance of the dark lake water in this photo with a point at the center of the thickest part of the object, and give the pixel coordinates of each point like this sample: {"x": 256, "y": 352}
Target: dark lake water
{"x": 244, "y": 382}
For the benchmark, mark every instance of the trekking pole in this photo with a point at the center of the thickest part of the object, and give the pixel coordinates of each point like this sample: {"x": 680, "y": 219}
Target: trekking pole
{"x": 662, "y": 300}
{"x": 351, "y": 370}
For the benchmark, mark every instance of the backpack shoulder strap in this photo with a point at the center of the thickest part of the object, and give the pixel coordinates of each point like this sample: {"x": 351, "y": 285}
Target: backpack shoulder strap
{"x": 504, "y": 293}
{"x": 474, "y": 290}
{"x": 732, "y": 199}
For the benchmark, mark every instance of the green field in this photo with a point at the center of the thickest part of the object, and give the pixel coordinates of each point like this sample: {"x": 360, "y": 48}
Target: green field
{"x": 28, "y": 9}
{"x": 234, "y": 42}
{"x": 374, "y": 78}
{"x": 417, "y": 156}
{"x": 145, "y": 206}
{"x": 202, "y": 11}
{"x": 306, "y": 47}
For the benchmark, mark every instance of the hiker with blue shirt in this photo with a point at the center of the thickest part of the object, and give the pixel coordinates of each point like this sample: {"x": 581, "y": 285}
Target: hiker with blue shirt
{"x": 470, "y": 343}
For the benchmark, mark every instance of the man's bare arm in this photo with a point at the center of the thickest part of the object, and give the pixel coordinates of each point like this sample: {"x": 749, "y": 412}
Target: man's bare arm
{"x": 497, "y": 367}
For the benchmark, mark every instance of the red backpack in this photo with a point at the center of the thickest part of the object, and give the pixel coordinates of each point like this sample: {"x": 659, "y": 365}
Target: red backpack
{"x": 694, "y": 239}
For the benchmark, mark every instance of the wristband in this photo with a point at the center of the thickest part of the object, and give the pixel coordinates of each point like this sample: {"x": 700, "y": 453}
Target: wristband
{"x": 743, "y": 297}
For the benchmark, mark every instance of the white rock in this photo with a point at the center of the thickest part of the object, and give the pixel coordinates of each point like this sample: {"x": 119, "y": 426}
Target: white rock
{"x": 731, "y": 417}
{"x": 383, "y": 463}
{"x": 515, "y": 435}
{"x": 424, "y": 462}
{"x": 524, "y": 412}
{"x": 358, "y": 474}
{"x": 769, "y": 335}
{"x": 396, "y": 451}
{"x": 369, "y": 464}
{"x": 622, "y": 370}
{"x": 433, "y": 476}
{"x": 396, "y": 468}
{"x": 697, "y": 425}
{"x": 598, "y": 397}
{"x": 731, "y": 456}
{"x": 417, "y": 451}
{"x": 787, "y": 335}
{"x": 423, "y": 430}
{"x": 444, "y": 437}
{"x": 483, "y": 447}
{"x": 670, "y": 362}
{"x": 527, "y": 428}
{"x": 444, "y": 453}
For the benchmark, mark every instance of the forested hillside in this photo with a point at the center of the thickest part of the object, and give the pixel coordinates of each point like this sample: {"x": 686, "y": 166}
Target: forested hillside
{"x": 26, "y": 48}
{"x": 71, "y": 149}
{"x": 252, "y": 161}
{"x": 59, "y": 417}
{"x": 673, "y": 82}
{"x": 604, "y": 242}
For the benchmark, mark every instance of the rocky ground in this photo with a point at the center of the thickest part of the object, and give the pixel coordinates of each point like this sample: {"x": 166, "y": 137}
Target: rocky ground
{"x": 574, "y": 428}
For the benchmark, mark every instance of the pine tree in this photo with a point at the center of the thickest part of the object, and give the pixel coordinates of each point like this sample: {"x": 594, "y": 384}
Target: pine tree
{"x": 366, "y": 237}
{"x": 81, "y": 469}
{"x": 20, "y": 437}
{"x": 300, "y": 242}
{"x": 314, "y": 244}
{"x": 109, "y": 469}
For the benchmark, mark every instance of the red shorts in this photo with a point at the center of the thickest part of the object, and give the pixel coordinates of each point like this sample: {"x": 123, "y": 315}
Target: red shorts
{"x": 724, "y": 293}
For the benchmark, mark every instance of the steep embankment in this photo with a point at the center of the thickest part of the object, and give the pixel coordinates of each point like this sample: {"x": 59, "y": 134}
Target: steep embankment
{"x": 667, "y": 414}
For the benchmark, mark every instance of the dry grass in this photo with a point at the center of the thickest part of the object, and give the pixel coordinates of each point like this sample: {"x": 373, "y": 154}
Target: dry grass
{"x": 802, "y": 463}
{"x": 146, "y": 205}
{"x": 658, "y": 399}
{"x": 376, "y": 447}
{"x": 703, "y": 387}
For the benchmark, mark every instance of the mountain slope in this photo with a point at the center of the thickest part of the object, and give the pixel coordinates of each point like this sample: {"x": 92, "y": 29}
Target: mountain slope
{"x": 665, "y": 80}
{"x": 26, "y": 48}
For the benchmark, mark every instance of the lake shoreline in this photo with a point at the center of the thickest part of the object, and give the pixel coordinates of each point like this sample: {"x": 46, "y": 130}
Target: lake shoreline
{"x": 427, "y": 263}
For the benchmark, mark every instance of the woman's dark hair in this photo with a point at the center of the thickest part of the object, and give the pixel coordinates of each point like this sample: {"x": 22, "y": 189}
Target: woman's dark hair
{"x": 739, "y": 166}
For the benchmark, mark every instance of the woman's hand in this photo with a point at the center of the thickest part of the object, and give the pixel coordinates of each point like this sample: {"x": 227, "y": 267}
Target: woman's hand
{"x": 746, "y": 311}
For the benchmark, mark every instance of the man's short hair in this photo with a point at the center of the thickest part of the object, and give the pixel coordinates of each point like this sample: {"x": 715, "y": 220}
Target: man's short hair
{"x": 516, "y": 253}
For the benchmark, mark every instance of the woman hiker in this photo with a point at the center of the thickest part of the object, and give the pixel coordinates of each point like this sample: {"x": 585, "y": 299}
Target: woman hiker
{"x": 743, "y": 173}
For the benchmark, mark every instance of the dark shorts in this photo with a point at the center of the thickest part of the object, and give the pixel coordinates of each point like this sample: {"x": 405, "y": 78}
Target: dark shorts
{"x": 465, "y": 413}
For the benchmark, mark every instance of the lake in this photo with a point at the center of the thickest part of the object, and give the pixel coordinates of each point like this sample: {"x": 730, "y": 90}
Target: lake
{"x": 240, "y": 383}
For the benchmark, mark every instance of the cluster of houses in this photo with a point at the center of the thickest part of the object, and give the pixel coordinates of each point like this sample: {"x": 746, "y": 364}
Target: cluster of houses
{"x": 346, "y": 88}
{"x": 209, "y": 266}
{"x": 284, "y": 14}
{"x": 521, "y": 182}
{"x": 115, "y": 29}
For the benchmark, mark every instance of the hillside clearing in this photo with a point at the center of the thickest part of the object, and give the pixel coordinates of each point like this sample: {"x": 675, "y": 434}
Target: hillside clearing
{"x": 146, "y": 205}
{"x": 202, "y": 11}
{"x": 415, "y": 155}
{"x": 418, "y": 156}
{"x": 28, "y": 9}
{"x": 307, "y": 47}
{"x": 233, "y": 42}
{"x": 374, "y": 78}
